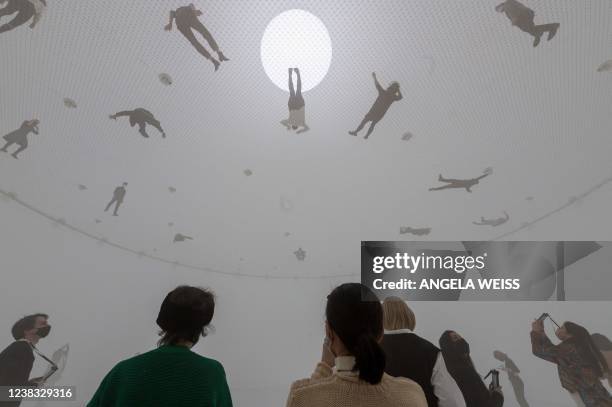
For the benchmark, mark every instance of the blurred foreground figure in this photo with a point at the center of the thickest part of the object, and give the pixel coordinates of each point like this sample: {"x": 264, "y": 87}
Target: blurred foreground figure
{"x": 172, "y": 374}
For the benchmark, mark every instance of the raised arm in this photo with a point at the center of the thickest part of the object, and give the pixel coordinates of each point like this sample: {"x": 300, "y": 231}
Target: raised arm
{"x": 299, "y": 81}
{"x": 120, "y": 114}
{"x": 291, "y": 89}
{"x": 541, "y": 346}
{"x": 482, "y": 176}
{"x": 172, "y": 17}
{"x": 378, "y": 87}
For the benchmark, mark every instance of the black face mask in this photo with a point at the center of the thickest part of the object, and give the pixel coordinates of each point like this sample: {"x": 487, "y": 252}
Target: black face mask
{"x": 44, "y": 331}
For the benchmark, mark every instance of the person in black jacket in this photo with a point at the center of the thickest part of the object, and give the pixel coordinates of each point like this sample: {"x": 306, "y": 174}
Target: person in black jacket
{"x": 17, "y": 359}
{"x": 409, "y": 355}
{"x": 456, "y": 353}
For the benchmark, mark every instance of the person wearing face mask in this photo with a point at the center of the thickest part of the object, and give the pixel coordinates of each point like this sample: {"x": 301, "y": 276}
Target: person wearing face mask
{"x": 456, "y": 353}
{"x": 17, "y": 359}
{"x": 580, "y": 365}
{"x": 352, "y": 367}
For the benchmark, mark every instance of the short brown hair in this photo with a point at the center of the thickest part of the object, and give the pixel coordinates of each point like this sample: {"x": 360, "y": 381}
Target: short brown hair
{"x": 397, "y": 315}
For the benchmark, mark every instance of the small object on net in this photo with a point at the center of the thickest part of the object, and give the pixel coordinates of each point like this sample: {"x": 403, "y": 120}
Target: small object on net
{"x": 172, "y": 189}
{"x": 97, "y": 221}
{"x": 170, "y": 224}
{"x": 407, "y": 136}
{"x": 287, "y": 234}
{"x": 81, "y": 187}
{"x": 248, "y": 172}
{"x": 181, "y": 238}
{"x": 605, "y": 67}
{"x": 69, "y": 103}
{"x": 488, "y": 171}
{"x": 529, "y": 198}
{"x": 300, "y": 254}
{"x": 165, "y": 79}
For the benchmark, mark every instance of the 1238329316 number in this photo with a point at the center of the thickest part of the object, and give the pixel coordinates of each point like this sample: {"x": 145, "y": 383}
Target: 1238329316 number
{"x": 8, "y": 393}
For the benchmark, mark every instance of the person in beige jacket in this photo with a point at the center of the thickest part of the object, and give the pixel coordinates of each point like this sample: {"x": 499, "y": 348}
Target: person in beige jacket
{"x": 352, "y": 368}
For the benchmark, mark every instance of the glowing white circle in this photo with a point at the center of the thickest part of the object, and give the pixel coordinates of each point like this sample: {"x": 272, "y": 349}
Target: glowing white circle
{"x": 296, "y": 38}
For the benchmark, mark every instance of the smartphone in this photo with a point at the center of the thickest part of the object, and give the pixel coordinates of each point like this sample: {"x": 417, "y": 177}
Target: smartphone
{"x": 494, "y": 379}
{"x": 546, "y": 315}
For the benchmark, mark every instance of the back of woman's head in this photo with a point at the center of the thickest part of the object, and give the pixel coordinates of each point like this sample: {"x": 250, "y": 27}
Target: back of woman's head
{"x": 355, "y": 315}
{"x": 587, "y": 348}
{"x": 397, "y": 315}
{"x": 455, "y": 351}
{"x": 185, "y": 315}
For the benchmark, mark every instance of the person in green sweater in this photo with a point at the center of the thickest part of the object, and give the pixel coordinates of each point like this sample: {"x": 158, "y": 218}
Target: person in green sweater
{"x": 171, "y": 375}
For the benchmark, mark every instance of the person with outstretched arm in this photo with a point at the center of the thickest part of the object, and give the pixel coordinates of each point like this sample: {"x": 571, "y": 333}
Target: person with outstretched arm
{"x": 381, "y": 105}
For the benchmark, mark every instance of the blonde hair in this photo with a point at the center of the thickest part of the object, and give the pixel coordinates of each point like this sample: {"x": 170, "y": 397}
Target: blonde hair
{"x": 397, "y": 315}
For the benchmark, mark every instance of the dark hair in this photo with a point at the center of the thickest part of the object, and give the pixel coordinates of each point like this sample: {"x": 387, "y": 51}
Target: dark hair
{"x": 456, "y": 354}
{"x": 586, "y": 348}
{"x": 185, "y": 314}
{"x": 354, "y": 313}
{"x": 25, "y": 324}
{"x": 602, "y": 342}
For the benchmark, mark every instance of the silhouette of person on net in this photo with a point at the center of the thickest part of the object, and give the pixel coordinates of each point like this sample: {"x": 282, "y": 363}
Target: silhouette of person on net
{"x": 181, "y": 238}
{"x": 522, "y": 17}
{"x": 513, "y": 375}
{"x": 186, "y": 21}
{"x": 25, "y": 9}
{"x": 493, "y": 222}
{"x": 141, "y": 117}
{"x": 20, "y": 136}
{"x": 385, "y": 99}
{"x": 297, "y": 109}
{"x": 118, "y": 196}
{"x": 458, "y": 183}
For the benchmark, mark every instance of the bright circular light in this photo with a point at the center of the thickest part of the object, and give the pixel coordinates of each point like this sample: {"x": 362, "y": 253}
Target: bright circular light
{"x": 296, "y": 39}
